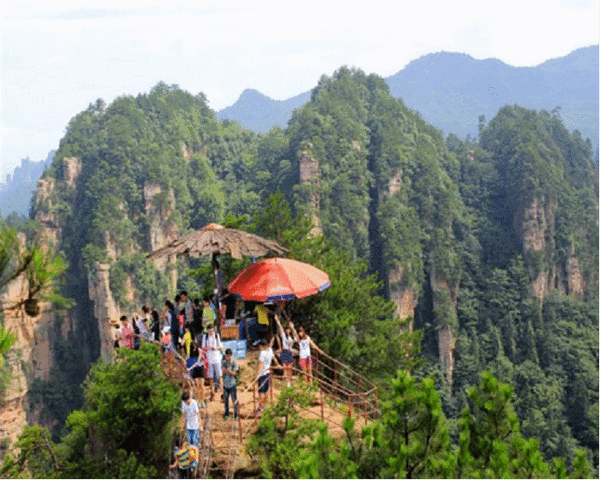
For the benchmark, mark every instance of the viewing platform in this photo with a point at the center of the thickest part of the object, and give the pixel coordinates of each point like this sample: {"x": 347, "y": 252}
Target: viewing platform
{"x": 335, "y": 392}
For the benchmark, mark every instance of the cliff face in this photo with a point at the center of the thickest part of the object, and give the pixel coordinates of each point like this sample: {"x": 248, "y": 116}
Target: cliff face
{"x": 32, "y": 355}
{"x": 534, "y": 225}
{"x": 405, "y": 298}
{"x": 105, "y": 308}
{"x": 13, "y": 415}
{"x": 445, "y": 293}
{"x": 29, "y": 358}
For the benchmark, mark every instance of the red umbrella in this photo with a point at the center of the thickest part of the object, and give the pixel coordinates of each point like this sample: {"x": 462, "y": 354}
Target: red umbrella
{"x": 277, "y": 279}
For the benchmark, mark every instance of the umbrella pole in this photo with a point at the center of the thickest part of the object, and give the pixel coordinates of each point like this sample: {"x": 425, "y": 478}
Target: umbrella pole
{"x": 216, "y": 292}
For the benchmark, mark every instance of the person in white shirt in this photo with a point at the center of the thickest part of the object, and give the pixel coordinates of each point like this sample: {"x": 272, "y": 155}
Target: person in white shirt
{"x": 264, "y": 371}
{"x": 286, "y": 356}
{"x": 189, "y": 407}
{"x": 305, "y": 343}
{"x": 211, "y": 344}
{"x": 144, "y": 324}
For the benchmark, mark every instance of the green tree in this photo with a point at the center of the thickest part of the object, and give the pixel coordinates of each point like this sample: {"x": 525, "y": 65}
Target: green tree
{"x": 411, "y": 438}
{"x": 42, "y": 270}
{"x": 131, "y": 405}
{"x": 124, "y": 430}
{"x": 282, "y": 433}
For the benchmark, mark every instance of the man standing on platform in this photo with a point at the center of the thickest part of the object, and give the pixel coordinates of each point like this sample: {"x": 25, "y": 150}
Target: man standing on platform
{"x": 230, "y": 372}
{"x": 211, "y": 343}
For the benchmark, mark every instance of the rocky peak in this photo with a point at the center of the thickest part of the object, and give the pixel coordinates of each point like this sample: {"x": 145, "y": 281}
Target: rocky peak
{"x": 71, "y": 170}
{"x": 309, "y": 175}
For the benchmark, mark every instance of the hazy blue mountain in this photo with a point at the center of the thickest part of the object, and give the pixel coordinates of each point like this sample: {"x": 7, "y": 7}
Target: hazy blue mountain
{"x": 258, "y": 112}
{"x": 16, "y": 193}
{"x": 451, "y": 90}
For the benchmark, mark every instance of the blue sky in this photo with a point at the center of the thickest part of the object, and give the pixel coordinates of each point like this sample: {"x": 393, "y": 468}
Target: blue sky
{"x": 57, "y": 59}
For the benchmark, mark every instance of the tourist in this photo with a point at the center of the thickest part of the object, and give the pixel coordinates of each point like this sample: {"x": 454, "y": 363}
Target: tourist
{"x": 176, "y": 304}
{"x": 305, "y": 344}
{"x": 188, "y": 316}
{"x": 286, "y": 356}
{"x": 186, "y": 458}
{"x": 155, "y": 328}
{"x": 187, "y": 339}
{"x": 211, "y": 343}
{"x": 136, "y": 332}
{"x": 190, "y": 409}
{"x": 230, "y": 372}
{"x": 173, "y": 324}
{"x": 144, "y": 324}
{"x": 117, "y": 335}
{"x": 229, "y": 301}
{"x": 208, "y": 314}
{"x": 264, "y": 370}
{"x": 166, "y": 341}
{"x": 197, "y": 322}
{"x": 196, "y": 368}
{"x": 126, "y": 339}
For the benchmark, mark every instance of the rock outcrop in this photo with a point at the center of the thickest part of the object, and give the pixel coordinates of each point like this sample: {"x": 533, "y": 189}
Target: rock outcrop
{"x": 30, "y": 357}
{"x": 71, "y": 170}
{"x": 534, "y": 225}
{"x": 159, "y": 207}
{"x": 309, "y": 177}
{"x": 445, "y": 293}
{"x": 46, "y": 214}
{"x": 105, "y": 308}
{"x": 401, "y": 294}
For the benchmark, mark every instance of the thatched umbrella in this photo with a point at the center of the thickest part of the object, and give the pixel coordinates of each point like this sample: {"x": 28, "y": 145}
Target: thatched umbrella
{"x": 214, "y": 239}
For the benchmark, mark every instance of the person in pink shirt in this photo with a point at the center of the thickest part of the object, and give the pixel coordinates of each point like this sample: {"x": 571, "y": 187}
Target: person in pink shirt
{"x": 126, "y": 339}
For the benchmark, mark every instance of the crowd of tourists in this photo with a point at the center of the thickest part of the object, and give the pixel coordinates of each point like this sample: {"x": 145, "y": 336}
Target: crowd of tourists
{"x": 188, "y": 327}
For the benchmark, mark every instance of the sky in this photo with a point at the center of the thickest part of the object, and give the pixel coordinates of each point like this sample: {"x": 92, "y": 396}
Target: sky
{"x": 58, "y": 57}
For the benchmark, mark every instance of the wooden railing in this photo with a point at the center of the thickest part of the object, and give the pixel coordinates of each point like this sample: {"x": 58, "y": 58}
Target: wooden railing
{"x": 337, "y": 386}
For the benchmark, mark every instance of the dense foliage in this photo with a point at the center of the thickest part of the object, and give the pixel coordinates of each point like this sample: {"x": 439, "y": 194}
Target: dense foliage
{"x": 411, "y": 439}
{"x": 493, "y": 244}
{"x": 124, "y": 430}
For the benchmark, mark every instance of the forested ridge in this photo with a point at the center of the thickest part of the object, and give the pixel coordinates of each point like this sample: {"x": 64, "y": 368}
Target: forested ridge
{"x": 490, "y": 247}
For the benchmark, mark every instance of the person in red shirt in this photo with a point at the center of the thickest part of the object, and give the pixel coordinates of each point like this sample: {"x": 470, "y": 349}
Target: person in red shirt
{"x": 126, "y": 339}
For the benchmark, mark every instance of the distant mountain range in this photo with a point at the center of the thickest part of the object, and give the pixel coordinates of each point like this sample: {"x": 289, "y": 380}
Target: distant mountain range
{"x": 451, "y": 91}
{"x": 16, "y": 193}
{"x": 260, "y": 113}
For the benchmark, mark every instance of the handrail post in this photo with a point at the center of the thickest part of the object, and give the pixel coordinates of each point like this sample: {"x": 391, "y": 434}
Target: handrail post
{"x": 322, "y": 408}
{"x": 350, "y": 395}
{"x": 239, "y": 421}
{"x": 335, "y": 376}
{"x": 271, "y": 384}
